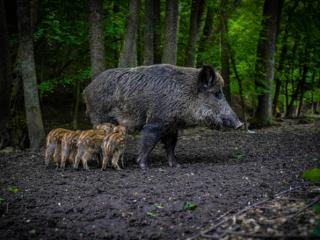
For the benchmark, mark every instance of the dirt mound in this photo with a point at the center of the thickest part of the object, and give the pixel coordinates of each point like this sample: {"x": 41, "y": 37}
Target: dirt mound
{"x": 220, "y": 171}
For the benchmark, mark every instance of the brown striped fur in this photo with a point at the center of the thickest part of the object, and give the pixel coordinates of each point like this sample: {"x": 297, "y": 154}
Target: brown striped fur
{"x": 113, "y": 146}
{"x": 89, "y": 144}
{"x": 53, "y": 145}
{"x": 69, "y": 147}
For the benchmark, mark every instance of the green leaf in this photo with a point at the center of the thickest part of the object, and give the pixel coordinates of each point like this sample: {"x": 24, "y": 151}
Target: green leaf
{"x": 1, "y": 200}
{"x": 316, "y": 208}
{"x": 151, "y": 214}
{"x": 158, "y": 205}
{"x": 239, "y": 156}
{"x": 316, "y": 230}
{"x": 13, "y": 189}
{"x": 312, "y": 174}
{"x": 189, "y": 206}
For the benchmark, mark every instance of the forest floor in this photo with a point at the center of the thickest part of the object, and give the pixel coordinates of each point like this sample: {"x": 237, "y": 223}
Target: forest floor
{"x": 221, "y": 173}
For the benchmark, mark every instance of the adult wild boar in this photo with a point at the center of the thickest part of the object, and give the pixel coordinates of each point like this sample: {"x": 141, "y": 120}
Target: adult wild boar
{"x": 159, "y": 100}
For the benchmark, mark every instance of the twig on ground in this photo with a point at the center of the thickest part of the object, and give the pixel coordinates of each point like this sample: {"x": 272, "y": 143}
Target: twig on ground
{"x": 205, "y": 233}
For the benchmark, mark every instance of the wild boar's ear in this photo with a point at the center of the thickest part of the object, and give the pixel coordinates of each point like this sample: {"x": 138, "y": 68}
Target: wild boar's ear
{"x": 206, "y": 78}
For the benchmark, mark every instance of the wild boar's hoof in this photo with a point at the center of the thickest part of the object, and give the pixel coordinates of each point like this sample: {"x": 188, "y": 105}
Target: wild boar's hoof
{"x": 174, "y": 164}
{"x": 142, "y": 165}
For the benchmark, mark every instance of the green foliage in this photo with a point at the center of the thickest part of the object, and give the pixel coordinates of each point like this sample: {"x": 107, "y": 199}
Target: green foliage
{"x": 13, "y": 189}
{"x": 151, "y": 214}
{"x": 50, "y": 85}
{"x": 189, "y": 206}
{"x": 2, "y": 200}
{"x": 159, "y": 206}
{"x": 312, "y": 174}
{"x": 316, "y": 230}
{"x": 239, "y": 156}
{"x": 317, "y": 208}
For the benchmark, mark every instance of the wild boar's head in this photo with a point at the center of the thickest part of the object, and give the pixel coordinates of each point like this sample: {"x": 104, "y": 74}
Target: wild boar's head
{"x": 210, "y": 84}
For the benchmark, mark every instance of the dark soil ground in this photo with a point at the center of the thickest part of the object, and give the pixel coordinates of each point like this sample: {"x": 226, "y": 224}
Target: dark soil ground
{"x": 220, "y": 171}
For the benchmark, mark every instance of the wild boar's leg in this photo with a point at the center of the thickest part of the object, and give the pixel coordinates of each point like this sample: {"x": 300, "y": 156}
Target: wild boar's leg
{"x": 170, "y": 140}
{"x": 151, "y": 135}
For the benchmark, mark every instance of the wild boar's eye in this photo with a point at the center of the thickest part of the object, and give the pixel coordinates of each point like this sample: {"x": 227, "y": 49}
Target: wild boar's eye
{"x": 218, "y": 94}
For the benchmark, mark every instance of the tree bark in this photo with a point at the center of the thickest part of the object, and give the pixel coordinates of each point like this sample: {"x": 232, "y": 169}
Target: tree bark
{"x": 77, "y": 94}
{"x": 96, "y": 37}
{"x": 5, "y": 73}
{"x": 171, "y": 28}
{"x": 283, "y": 56}
{"x": 28, "y": 73}
{"x": 195, "y": 21}
{"x": 225, "y": 54}
{"x": 264, "y": 72}
{"x": 148, "y": 57}
{"x": 156, "y": 32}
{"x": 235, "y": 71}
{"x": 300, "y": 89}
{"x": 128, "y": 55}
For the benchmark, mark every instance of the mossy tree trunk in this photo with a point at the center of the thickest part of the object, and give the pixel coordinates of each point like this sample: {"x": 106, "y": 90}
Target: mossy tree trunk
{"x": 28, "y": 73}
{"x": 128, "y": 55}
{"x": 264, "y": 72}
{"x": 171, "y": 28}
{"x": 197, "y": 8}
{"x": 96, "y": 37}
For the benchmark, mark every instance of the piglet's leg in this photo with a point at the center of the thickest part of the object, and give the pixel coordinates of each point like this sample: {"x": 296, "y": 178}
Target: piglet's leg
{"x": 151, "y": 134}
{"x": 85, "y": 158}
{"x": 64, "y": 155}
{"x": 78, "y": 157}
{"x": 57, "y": 155}
{"x": 170, "y": 141}
{"x": 106, "y": 156}
{"x": 49, "y": 153}
{"x": 115, "y": 160}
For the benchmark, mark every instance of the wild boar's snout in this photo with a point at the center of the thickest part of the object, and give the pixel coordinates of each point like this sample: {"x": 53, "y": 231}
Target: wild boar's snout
{"x": 229, "y": 117}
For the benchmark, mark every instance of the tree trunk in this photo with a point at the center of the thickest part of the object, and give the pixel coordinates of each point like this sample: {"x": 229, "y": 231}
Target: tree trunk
{"x": 128, "y": 55}
{"x": 28, "y": 72}
{"x": 235, "y": 71}
{"x": 291, "y": 111}
{"x": 225, "y": 55}
{"x": 96, "y": 37}
{"x": 148, "y": 57}
{"x": 5, "y": 73}
{"x": 76, "y": 105}
{"x": 156, "y": 32}
{"x": 264, "y": 72}
{"x": 205, "y": 36}
{"x": 171, "y": 29}
{"x": 283, "y": 56}
{"x": 195, "y": 21}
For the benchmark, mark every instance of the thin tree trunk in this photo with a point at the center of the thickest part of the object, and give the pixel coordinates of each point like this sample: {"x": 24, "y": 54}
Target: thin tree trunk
{"x": 206, "y": 34}
{"x": 116, "y": 50}
{"x": 300, "y": 87}
{"x": 264, "y": 72}
{"x": 283, "y": 57}
{"x": 195, "y": 21}
{"x": 148, "y": 57}
{"x": 128, "y": 55}
{"x": 96, "y": 37}
{"x": 156, "y": 32}
{"x": 28, "y": 72}
{"x": 225, "y": 54}
{"x": 171, "y": 29}
{"x": 76, "y": 105}
{"x": 5, "y": 73}
{"x": 243, "y": 105}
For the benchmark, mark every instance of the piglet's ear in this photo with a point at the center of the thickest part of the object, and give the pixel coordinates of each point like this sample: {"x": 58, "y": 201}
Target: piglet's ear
{"x": 206, "y": 78}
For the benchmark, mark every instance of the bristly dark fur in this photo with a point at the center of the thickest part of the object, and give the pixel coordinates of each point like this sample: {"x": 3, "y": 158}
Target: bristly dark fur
{"x": 159, "y": 99}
